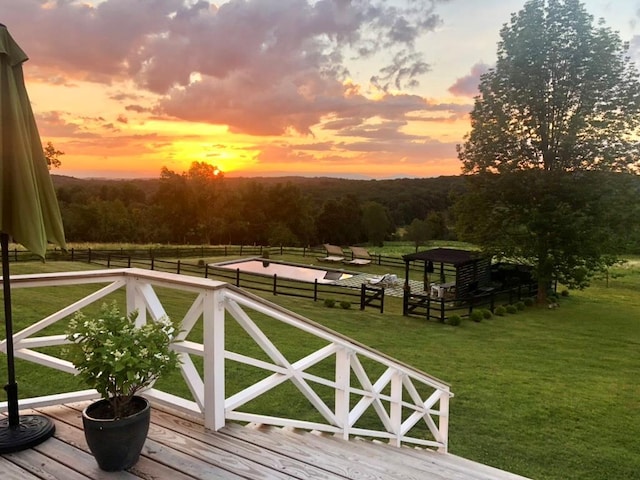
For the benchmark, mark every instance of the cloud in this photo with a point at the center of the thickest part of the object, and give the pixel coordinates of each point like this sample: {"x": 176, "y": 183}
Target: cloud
{"x": 262, "y": 67}
{"x": 467, "y": 86}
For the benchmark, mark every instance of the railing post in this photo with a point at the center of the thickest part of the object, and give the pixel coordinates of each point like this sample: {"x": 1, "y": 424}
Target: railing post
{"x": 443, "y": 423}
{"x": 129, "y": 261}
{"x": 315, "y": 290}
{"x": 396, "y": 409}
{"x": 275, "y": 284}
{"x": 214, "y": 368}
{"x": 206, "y": 270}
{"x": 343, "y": 379}
{"x": 108, "y": 260}
{"x": 178, "y": 267}
{"x": 237, "y": 277}
{"x": 362, "y": 295}
{"x": 442, "y": 310}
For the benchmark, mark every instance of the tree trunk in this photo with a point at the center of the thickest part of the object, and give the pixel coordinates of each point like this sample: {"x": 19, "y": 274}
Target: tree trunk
{"x": 543, "y": 284}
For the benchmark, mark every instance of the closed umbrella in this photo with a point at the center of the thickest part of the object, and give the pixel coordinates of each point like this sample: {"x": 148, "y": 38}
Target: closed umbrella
{"x": 29, "y": 214}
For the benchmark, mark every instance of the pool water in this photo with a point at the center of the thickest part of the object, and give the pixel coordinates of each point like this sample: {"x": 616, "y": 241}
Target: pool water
{"x": 284, "y": 270}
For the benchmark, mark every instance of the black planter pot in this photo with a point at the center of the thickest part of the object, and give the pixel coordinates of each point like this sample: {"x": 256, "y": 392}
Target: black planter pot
{"x": 116, "y": 444}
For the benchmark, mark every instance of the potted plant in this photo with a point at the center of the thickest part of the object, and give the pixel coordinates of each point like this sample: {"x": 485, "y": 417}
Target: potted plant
{"x": 119, "y": 360}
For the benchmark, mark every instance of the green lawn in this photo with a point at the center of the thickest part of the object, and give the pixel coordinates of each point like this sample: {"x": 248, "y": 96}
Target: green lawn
{"x": 549, "y": 394}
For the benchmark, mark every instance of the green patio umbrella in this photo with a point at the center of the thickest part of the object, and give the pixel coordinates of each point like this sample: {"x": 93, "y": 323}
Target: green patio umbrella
{"x": 29, "y": 214}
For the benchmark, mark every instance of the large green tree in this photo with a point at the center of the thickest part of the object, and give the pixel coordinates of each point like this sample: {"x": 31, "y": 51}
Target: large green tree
{"x": 560, "y": 108}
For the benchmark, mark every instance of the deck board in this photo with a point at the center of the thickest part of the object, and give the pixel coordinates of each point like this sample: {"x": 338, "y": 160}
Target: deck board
{"x": 179, "y": 448}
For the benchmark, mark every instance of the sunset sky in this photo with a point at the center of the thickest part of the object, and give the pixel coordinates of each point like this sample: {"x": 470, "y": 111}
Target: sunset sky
{"x": 342, "y": 88}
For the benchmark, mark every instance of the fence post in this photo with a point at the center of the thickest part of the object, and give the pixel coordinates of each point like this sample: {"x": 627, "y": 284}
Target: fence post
{"x": 153, "y": 262}
{"x": 240, "y": 249}
{"x": 178, "y": 267}
{"x": 275, "y": 284}
{"x": 237, "y": 277}
{"x": 108, "y": 260}
{"x": 89, "y": 256}
{"x": 442, "y": 310}
{"x": 405, "y": 302}
{"x": 362, "y": 295}
{"x": 206, "y": 270}
{"x": 72, "y": 254}
{"x": 429, "y": 308}
{"x": 382, "y": 301}
{"x": 129, "y": 261}
{"x": 315, "y": 290}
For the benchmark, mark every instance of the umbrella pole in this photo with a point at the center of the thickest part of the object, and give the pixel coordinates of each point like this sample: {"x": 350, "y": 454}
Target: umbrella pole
{"x": 11, "y": 387}
{"x": 16, "y": 433}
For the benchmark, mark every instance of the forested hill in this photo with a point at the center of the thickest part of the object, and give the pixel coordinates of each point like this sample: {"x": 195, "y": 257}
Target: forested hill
{"x": 194, "y": 208}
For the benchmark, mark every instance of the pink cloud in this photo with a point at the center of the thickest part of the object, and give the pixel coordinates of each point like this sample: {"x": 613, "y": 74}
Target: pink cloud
{"x": 467, "y": 86}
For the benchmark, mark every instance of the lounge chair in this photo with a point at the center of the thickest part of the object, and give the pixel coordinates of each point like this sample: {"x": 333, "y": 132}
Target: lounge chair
{"x": 359, "y": 255}
{"x": 387, "y": 280}
{"x": 334, "y": 253}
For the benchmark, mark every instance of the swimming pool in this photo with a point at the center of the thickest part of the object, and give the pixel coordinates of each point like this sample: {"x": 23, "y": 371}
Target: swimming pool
{"x": 284, "y": 270}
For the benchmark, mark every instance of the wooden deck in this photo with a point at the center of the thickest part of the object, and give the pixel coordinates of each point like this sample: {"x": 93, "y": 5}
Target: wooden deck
{"x": 181, "y": 449}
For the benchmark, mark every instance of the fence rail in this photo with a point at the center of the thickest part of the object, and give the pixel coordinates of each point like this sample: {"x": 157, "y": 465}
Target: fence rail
{"x": 151, "y": 254}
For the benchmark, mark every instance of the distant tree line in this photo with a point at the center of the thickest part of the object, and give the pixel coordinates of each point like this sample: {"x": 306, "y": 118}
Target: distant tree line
{"x": 201, "y": 206}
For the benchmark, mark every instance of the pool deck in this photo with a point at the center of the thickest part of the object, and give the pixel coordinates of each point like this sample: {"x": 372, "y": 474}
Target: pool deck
{"x": 395, "y": 291}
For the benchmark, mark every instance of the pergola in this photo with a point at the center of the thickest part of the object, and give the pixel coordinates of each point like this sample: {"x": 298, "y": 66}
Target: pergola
{"x": 472, "y": 269}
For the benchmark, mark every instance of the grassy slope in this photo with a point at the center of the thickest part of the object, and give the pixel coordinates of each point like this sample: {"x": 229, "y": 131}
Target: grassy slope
{"x": 550, "y": 394}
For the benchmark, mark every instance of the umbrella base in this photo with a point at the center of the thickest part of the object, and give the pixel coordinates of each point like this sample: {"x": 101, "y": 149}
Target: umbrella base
{"x": 31, "y": 431}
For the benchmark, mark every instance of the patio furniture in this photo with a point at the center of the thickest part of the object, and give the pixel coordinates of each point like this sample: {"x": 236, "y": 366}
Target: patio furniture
{"x": 387, "y": 280}
{"x": 334, "y": 253}
{"x": 359, "y": 255}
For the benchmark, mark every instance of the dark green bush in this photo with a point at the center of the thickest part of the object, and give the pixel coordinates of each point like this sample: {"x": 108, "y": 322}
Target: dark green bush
{"x": 520, "y": 305}
{"x": 500, "y": 311}
{"x": 512, "y": 309}
{"x": 529, "y": 302}
{"x": 476, "y": 316}
{"x": 345, "y": 305}
{"x": 564, "y": 293}
{"x": 329, "y": 302}
{"x": 486, "y": 313}
{"x": 454, "y": 320}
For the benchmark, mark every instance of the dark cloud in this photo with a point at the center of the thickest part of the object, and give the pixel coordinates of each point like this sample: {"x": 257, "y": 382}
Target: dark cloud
{"x": 467, "y": 86}
{"x": 263, "y": 67}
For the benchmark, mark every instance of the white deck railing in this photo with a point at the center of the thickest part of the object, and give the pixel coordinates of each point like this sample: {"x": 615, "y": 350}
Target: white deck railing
{"x": 407, "y": 405}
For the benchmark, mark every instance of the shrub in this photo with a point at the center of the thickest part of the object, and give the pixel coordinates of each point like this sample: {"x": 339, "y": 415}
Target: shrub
{"x": 201, "y": 263}
{"x": 520, "y": 305}
{"x": 454, "y": 320}
{"x": 564, "y": 293}
{"x": 500, "y": 311}
{"x": 345, "y": 305}
{"x": 476, "y": 316}
{"x": 329, "y": 302}
{"x": 529, "y": 302}
{"x": 486, "y": 313}
{"x": 512, "y": 309}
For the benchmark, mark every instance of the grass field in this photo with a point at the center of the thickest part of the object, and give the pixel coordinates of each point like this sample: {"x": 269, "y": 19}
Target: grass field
{"x": 549, "y": 394}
